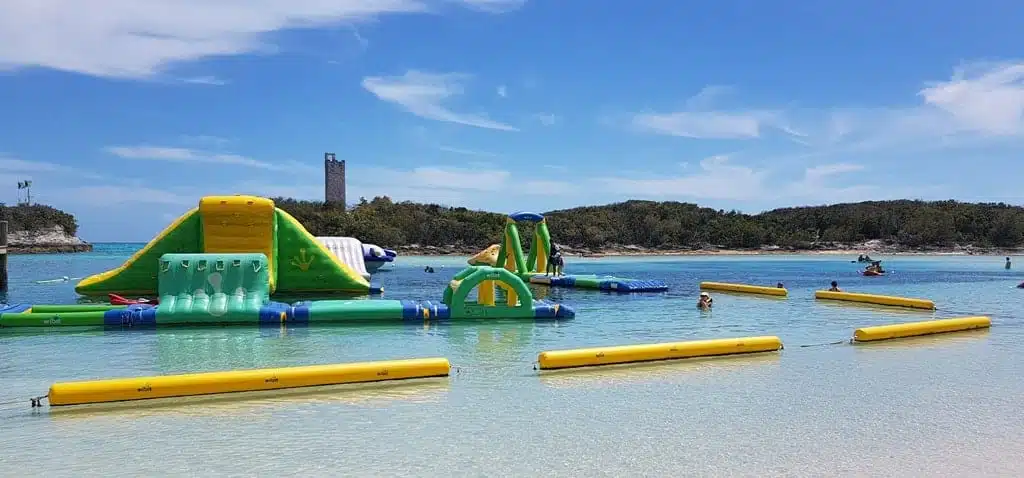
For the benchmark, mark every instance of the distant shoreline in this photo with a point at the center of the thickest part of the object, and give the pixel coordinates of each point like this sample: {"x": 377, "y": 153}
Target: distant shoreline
{"x": 637, "y": 251}
{"x": 22, "y": 249}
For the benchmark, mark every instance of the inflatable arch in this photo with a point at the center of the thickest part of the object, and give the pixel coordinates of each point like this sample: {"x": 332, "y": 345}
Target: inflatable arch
{"x": 487, "y": 279}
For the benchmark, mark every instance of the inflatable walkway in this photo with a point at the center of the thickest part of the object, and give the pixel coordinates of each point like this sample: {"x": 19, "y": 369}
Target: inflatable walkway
{"x": 296, "y": 261}
{"x": 234, "y": 289}
{"x": 533, "y": 267}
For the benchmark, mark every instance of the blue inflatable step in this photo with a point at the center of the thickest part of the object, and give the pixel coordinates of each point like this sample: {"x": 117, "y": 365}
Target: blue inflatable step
{"x": 633, "y": 285}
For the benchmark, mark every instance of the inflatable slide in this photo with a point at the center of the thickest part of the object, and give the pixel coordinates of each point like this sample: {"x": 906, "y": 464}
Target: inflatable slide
{"x": 296, "y": 261}
{"x": 349, "y": 250}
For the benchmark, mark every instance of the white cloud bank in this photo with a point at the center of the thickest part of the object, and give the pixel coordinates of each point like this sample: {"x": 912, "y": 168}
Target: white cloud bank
{"x": 190, "y": 155}
{"x": 142, "y": 38}
{"x": 980, "y": 101}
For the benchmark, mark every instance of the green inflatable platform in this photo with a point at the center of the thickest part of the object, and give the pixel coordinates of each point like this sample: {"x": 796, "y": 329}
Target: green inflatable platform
{"x": 296, "y": 262}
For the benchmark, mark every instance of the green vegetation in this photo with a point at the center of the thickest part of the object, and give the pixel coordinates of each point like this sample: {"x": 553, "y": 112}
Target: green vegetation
{"x": 674, "y": 225}
{"x": 36, "y": 217}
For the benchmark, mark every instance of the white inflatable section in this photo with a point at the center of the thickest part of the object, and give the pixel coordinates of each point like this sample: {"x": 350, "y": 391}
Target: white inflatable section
{"x": 348, "y": 250}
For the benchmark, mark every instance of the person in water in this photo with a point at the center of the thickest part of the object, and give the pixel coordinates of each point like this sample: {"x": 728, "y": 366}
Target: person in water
{"x": 780, "y": 286}
{"x": 704, "y": 301}
{"x": 835, "y": 287}
{"x": 1007, "y": 263}
{"x": 428, "y": 269}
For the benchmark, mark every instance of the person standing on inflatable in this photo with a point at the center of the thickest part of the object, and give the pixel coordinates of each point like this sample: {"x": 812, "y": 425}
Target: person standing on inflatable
{"x": 555, "y": 261}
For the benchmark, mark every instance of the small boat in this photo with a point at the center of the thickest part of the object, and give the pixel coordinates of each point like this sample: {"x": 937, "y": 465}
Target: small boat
{"x": 118, "y": 300}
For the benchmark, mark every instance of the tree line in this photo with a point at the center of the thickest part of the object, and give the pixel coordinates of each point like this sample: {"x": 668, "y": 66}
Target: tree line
{"x": 648, "y": 224}
{"x": 676, "y": 225}
{"x": 36, "y": 217}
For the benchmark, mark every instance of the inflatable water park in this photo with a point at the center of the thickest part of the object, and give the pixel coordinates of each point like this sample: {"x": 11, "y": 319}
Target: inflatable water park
{"x": 224, "y": 262}
{"x": 532, "y": 267}
{"x": 221, "y": 263}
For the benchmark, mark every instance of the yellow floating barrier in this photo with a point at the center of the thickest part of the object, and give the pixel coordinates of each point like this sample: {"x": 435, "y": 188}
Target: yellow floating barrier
{"x": 556, "y": 359}
{"x": 876, "y": 299}
{"x": 744, "y": 288}
{"x": 168, "y": 386}
{"x": 914, "y": 329}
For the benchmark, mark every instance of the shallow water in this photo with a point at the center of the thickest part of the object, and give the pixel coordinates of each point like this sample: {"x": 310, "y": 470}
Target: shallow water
{"x": 946, "y": 405}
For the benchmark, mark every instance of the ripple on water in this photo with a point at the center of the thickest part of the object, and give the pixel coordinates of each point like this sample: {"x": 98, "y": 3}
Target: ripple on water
{"x": 948, "y": 403}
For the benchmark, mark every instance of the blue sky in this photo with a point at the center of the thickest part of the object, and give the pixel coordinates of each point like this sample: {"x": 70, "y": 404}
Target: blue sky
{"x": 125, "y": 113}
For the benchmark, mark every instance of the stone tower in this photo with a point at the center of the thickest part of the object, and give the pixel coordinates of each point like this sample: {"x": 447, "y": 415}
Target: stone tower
{"x": 334, "y": 181}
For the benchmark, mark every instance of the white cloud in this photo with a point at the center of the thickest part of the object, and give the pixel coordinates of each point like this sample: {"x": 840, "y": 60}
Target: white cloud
{"x": 205, "y": 80}
{"x": 718, "y": 180}
{"x": 981, "y": 104}
{"x": 502, "y": 91}
{"x": 707, "y": 124}
{"x": 467, "y": 152}
{"x": 141, "y": 38}
{"x": 548, "y": 188}
{"x": 24, "y": 169}
{"x": 431, "y": 184}
{"x": 707, "y": 96}
{"x": 454, "y": 178}
{"x": 424, "y": 94}
{"x": 546, "y": 119}
{"x": 982, "y": 98}
{"x": 9, "y": 164}
{"x": 495, "y": 6}
{"x": 166, "y": 153}
{"x": 817, "y": 173}
{"x": 814, "y": 184}
{"x": 206, "y": 139}
{"x": 102, "y": 196}
{"x": 699, "y": 121}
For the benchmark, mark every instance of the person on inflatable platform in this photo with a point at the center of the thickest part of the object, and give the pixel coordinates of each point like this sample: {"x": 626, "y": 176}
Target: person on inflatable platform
{"x": 835, "y": 287}
{"x": 555, "y": 261}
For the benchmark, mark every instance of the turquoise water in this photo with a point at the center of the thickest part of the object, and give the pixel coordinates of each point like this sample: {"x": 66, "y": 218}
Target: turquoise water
{"x": 941, "y": 405}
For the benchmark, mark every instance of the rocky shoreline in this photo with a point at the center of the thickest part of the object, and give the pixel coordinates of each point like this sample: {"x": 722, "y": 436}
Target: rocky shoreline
{"x": 45, "y": 241}
{"x": 875, "y": 247}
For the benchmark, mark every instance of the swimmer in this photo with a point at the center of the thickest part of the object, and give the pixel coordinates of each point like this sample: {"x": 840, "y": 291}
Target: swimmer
{"x": 705, "y": 301}
{"x": 835, "y": 287}
{"x": 780, "y": 286}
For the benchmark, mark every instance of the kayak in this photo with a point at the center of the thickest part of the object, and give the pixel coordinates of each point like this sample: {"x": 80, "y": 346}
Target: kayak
{"x": 118, "y": 300}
